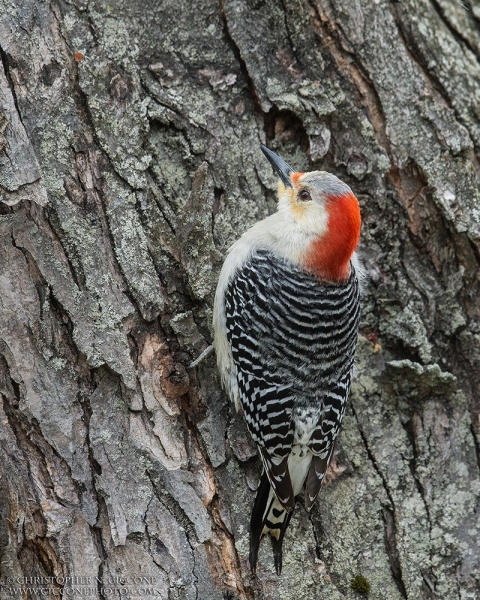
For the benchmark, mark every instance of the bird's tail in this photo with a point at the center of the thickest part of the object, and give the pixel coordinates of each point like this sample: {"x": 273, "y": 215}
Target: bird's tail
{"x": 268, "y": 516}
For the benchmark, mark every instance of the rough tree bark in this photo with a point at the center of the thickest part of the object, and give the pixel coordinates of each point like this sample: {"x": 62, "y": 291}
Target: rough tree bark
{"x": 129, "y": 161}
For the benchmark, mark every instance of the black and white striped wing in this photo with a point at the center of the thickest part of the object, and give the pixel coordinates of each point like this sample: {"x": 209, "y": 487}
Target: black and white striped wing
{"x": 267, "y": 400}
{"x": 292, "y": 340}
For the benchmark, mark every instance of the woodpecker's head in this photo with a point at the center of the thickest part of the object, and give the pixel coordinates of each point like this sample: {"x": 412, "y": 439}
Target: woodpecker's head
{"x": 326, "y": 210}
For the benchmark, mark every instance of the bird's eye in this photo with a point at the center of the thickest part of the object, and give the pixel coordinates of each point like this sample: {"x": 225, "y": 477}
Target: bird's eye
{"x": 304, "y": 195}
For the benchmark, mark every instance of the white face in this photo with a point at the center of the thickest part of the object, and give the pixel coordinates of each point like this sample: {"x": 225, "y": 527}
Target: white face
{"x": 306, "y": 201}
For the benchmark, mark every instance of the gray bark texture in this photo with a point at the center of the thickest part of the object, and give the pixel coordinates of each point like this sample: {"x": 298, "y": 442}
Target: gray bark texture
{"x": 129, "y": 162}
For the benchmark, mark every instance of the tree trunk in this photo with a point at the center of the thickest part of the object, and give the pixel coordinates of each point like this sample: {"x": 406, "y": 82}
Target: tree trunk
{"x": 129, "y": 162}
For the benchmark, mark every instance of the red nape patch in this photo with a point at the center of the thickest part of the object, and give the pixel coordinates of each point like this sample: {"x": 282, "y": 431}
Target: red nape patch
{"x": 296, "y": 176}
{"x": 329, "y": 255}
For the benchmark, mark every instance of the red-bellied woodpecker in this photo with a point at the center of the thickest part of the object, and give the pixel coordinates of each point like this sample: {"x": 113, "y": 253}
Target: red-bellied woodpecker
{"x": 286, "y": 322}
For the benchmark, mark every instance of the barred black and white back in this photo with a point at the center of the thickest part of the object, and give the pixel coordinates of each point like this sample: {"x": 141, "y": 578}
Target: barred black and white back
{"x": 292, "y": 340}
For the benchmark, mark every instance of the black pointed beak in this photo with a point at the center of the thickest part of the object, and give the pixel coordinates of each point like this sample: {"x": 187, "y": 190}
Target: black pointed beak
{"x": 281, "y": 168}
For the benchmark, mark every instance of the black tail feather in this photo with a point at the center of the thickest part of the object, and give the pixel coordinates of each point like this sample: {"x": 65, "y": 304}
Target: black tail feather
{"x": 256, "y": 520}
{"x": 259, "y": 520}
{"x": 277, "y": 544}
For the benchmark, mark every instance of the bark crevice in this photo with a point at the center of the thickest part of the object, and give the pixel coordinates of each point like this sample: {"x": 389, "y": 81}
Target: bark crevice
{"x": 388, "y": 513}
